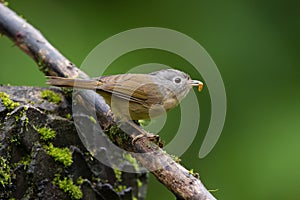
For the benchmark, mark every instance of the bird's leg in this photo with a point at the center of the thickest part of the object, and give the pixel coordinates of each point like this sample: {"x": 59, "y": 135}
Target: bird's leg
{"x": 152, "y": 137}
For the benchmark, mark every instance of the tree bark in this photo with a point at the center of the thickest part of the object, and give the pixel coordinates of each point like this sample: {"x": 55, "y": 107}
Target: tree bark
{"x": 29, "y": 170}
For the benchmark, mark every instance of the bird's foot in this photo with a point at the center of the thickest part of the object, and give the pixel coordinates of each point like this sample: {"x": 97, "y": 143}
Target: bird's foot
{"x": 151, "y": 137}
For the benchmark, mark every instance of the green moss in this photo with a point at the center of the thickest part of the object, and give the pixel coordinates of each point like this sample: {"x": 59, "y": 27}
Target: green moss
{"x": 5, "y": 178}
{"x": 93, "y": 119}
{"x": 22, "y": 115}
{"x": 144, "y": 122}
{"x": 25, "y": 108}
{"x": 7, "y": 102}
{"x": 116, "y": 135}
{"x": 120, "y": 188}
{"x": 26, "y": 120}
{"x": 118, "y": 174}
{"x": 112, "y": 132}
{"x": 195, "y": 174}
{"x": 15, "y": 139}
{"x": 42, "y": 66}
{"x": 46, "y": 133}
{"x": 17, "y": 118}
{"x": 176, "y": 158}
{"x": 80, "y": 180}
{"x": 63, "y": 155}
{"x": 51, "y": 96}
{"x": 139, "y": 183}
{"x": 131, "y": 160}
{"x": 68, "y": 187}
{"x": 24, "y": 161}
{"x": 69, "y": 116}
{"x": 191, "y": 171}
{"x": 96, "y": 179}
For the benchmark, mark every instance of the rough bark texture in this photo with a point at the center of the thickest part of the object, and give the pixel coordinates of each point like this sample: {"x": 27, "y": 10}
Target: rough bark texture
{"x": 175, "y": 177}
{"x": 27, "y": 169}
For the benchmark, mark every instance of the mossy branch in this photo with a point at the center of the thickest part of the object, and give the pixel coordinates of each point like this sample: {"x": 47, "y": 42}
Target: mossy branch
{"x": 51, "y": 62}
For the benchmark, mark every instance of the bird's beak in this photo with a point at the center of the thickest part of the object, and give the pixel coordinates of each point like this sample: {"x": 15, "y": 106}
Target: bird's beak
{"x": 196, "y": 83}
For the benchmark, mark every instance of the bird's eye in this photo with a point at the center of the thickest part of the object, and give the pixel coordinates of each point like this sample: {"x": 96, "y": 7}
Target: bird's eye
{"x": 177, "y": 80}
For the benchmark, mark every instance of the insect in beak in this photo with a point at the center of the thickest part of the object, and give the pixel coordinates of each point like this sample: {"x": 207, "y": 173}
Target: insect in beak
{"x": 197, "y": 83}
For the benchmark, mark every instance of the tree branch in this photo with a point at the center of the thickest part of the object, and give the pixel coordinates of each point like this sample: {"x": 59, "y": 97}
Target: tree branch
{"x": 175, "y": 177}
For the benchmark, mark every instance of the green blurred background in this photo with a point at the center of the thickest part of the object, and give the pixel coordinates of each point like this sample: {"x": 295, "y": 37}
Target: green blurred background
{"x": 255, "y": 45}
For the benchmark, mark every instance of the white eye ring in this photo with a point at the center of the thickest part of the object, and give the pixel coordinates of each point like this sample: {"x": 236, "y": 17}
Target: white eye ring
{"x": 177, "y": 80}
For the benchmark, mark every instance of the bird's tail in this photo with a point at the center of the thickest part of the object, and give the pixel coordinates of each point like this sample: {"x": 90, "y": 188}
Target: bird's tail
{"x": 72, "y": 82}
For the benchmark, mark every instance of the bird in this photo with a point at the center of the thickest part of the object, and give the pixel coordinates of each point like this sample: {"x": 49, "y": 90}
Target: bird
{"x": 136, "y": 96}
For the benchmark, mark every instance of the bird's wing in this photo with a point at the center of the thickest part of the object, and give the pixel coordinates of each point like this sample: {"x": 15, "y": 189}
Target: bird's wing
{"x": 139, "y": 88}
